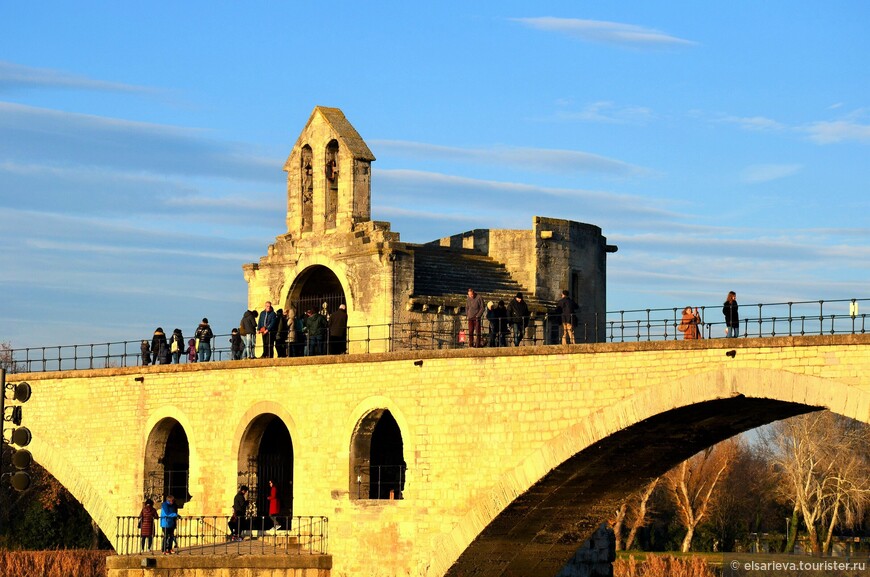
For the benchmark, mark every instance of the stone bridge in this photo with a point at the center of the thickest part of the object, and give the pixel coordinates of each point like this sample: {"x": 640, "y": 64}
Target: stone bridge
{"x": 510, "y": 456}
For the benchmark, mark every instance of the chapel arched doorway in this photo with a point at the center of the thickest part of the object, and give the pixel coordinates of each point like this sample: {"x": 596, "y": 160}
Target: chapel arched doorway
{"x": 314, "y": 287}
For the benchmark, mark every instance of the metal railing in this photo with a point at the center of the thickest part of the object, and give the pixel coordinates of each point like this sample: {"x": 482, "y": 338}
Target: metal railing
{"x": 803, "y": 318}
{"x": 380, "y": 481}
{"x": 445, "y": 331}
{"x": 215, "y": 535}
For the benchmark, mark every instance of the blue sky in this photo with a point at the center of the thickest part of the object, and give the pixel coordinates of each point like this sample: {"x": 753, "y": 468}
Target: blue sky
{"x": 722, "y": 147}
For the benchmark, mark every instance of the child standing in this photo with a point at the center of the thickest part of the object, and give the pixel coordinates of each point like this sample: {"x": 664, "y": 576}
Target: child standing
{"x": 146, "y": 353}
{"x": 236, "y": 344}
{"x": 191, "y": 351}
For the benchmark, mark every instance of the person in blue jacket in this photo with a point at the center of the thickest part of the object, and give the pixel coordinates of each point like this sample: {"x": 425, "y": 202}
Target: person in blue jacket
{"x": 168, "y": 518}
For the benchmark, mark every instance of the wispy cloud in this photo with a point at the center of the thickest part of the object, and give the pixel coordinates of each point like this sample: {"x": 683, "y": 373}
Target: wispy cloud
{"x": 848, "y": 128}
{"x": 762, "y": 265}
{"x": 426, "y": 215}
{"x": 838, "y": 131}
{"x": 608, "y": 113}
{"x": 39, "y": 135}
{"x": 536, "y": 159}
{"x": 16, "y": 76}
{"x": 766, "y": 172}
{"x": 603, "y": 31}
{"x": 756, "y": 123}
{"x": 114, "y": 192}
{"x": 502, "y": 204}
{"x": 133, "y": 251}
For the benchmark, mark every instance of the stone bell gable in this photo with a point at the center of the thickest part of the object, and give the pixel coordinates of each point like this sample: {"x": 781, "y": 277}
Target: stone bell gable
{"x": 328, "y": 176}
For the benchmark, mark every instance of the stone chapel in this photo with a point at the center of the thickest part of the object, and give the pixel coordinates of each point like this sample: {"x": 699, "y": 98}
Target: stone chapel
{"x": 402, "y": 295}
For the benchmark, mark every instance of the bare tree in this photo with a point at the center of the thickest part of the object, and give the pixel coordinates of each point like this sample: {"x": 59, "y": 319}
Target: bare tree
{"x": 823, "y": 465}
{"x": 634, "y": 507}
{"x": 640, "y": 512}
{"x": 7, "y": 359}
{"x": 693, "y": 482}
{"x": 618, "y": 521}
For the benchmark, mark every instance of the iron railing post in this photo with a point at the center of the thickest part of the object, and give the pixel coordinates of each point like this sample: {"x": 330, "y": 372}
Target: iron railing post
{"x": 760, "y": 320}
{"x": 821, "y": 317}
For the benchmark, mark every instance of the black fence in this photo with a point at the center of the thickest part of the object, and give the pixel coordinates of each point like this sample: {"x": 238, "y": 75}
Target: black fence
{"x": 756, "y": 320}
{"x": 445, "y": 331}
{"x": 305, "y": 535}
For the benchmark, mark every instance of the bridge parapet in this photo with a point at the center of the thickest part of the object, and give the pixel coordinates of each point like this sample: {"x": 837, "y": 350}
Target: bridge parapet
{"x": 444, "y": 331}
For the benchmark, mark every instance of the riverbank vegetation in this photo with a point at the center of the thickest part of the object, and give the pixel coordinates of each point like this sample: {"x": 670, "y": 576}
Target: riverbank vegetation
{"x": 665, "y": 566}
{"x": 59, "y": 563}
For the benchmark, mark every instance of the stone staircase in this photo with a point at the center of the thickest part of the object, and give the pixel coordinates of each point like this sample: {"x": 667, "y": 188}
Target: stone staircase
{"x": 443, "y": 275}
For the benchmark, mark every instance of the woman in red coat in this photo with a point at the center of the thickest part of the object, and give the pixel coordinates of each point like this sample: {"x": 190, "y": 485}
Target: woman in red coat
{"x": 274, "y": 504}
{"x": 146, "y": 524}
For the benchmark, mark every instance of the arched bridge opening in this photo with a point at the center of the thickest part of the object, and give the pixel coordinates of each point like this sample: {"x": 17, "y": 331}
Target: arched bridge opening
{"x": 377, "y": 460}
{"x": 167, "y": 463}
{"x": 540, "y": 530}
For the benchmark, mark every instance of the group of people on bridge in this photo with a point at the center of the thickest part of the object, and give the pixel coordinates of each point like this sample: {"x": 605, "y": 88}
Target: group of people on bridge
{"x": 513, "y": 319}
{"x": 168, "y": 518}
{"x": 286, "y": 333}
{"x": 281, "y": 333}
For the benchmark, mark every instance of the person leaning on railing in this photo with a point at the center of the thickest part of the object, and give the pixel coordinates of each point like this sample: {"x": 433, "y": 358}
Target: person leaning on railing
{"x": 168, "y": 518}
{"x": 240, "y": 507}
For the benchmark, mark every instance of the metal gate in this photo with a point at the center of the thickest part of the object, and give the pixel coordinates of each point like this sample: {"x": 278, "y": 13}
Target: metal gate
{"x": 260, "y": 470}
{"x": 166, "y": 482}
{"x": 315, "y": 302}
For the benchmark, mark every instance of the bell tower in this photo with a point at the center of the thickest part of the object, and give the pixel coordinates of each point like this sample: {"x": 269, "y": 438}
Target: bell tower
{"x": 328, "y": 176}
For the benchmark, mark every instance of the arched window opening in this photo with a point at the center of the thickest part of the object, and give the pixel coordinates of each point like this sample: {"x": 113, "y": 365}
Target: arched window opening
{"x": 331, "y": 173}
{"x": 167, "y": 463}
{"x": 266, "y": 453}
{"x": 377, "y": 458}
{"x": 307, "y": 188}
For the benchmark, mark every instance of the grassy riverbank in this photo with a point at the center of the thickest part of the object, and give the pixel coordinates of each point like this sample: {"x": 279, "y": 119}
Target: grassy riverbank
{"x": 91, "y": 563}
{"x": 641, "y": 564}
{"x": 60, "y": 563}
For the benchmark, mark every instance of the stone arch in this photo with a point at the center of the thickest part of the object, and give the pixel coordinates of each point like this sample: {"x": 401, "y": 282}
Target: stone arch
{"x": 315, "y": 285}
{"x": 378, "y": 452}
{"x": 166, "y": 463}
{"x": 55, "y": 460}
{"x": 579, "y": 477}
{"x": 265, "y": 452}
